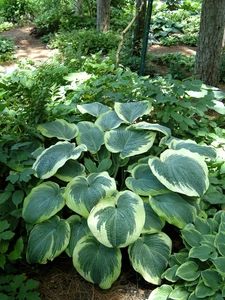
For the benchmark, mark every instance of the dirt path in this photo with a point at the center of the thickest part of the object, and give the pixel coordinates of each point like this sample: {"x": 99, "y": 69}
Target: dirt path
{"x": 28, "y": 47}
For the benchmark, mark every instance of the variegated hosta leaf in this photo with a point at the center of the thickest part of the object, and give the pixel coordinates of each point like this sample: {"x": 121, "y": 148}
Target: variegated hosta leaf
{"x": 47, "y": 240}
{"x": 181, "y": 171}
{"x": 79, "y": 228}
{"x": 153, "y": 223}
{"x": 96, "y": 263}
{"x": 70, "y": 170}
{"x": 131, "y": 111}
{"x": 95, "y": 109}
{"x": 151, "y": 126}
{"x": 54, "y": 157}
{"x": 128, "y": 142}
{"x": 143, "y": 182}
{"x": 161, "y": 293}
{"x": 90, "y": 135}
{"x": 149, "y": 255}
{"x": 82, "y": 193}
{"x": 43, "y": 202}
{"x": 205, "y": 151}
{"x": 108, "y": 120}
{"x": 174, "y": 209}
{"x": 117, "y": 221}
{"x": 60, "y": 129}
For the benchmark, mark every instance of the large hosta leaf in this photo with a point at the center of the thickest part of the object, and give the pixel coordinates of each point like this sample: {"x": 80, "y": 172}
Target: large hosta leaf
{"x": 153, "y": 223}
{"x": 70, "y": 170}
{"x": 95, "y": 109}
{"x": 181, "y": 171}
{"x": 90, "y": 135}
{"x": 152, "y": 126}
{"x": 96, "y": 263}
{"x": 60, "y": 129}
{"x": 82, "y": 193}
{"x": 43, "y": 202}
{"x": 143, "y": 182}
{"x": 79, "y": 228}
{"x": 108, "y": 120}
{"x": 54, "y": 157}
{"x": 192, "y": 146}
{"x": 128, "y": 142}
{"x": 131, "y": 111}
{"x": 174, "y": 209}
{"x": 161, "y": 293}
{"x": 117, "y": 221}
{"x": 47, "y": 240}
{"x": 149, "y": 255}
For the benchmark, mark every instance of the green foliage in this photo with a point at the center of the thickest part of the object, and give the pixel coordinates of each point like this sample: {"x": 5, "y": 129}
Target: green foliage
{"x": 162, "y": 27}
{"x": 102, "y": 170}
{"x": 222, "y": 66}
{"x": 197, "y": 271}
{"x": 6, "y": 26}
{"x": 7, "y": 47}
{"x": 16, "y": 11}
{"x": 18, "y": 287}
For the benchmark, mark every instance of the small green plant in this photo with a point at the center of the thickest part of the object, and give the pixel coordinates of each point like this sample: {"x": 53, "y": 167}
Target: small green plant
{"x": 197, "y": 271}
{"x": 7, "y": 47}
{"x": 6, "y": 26}
{"x": 104, "y": 186}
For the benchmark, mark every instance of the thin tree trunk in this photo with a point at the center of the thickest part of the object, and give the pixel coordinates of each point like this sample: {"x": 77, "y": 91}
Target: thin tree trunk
{"x": 210, "y": 39}
{"x": 139, "y": 27}
{"x": 103, "y": 15}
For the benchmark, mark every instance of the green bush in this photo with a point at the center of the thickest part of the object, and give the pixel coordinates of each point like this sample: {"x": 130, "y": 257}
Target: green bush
{"x": 7, "y": 47}
{"x": 16, "y": 11}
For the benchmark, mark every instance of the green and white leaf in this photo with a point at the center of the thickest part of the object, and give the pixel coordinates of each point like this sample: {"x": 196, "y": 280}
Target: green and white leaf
{"x": 83, "y": 193}
{"x": 47, "y": 240}
{"x": 109, "y": 120}
{"x": 96, "y": 263}
{"x": 161, "y": 293}
{"x": 151, "y": 126}
{"x": 70, "y": 170}
{"x": 54, "y": 157}
{"x": 59, "y": 129}
{"x": 143, "y": 182}
{"x": 188, "y": 271}
{"x": 219, "y": 263}
{"x": 128, "y": 142}
{"x": 153, "y": 223}
{"x": 79, "y": 228}
{"x": 203, "y": 291}
{"x": 192, "y": 236}
{"x": 205, "y": 151}
{"x": 90, "y": 135}
{"x": 174, "y": 209}
{"x": 149, "y": 256}
{"x": 212, "y": 278}
{"x": 43, "y": 202}
{"x": 95, "y": 109}
{"x": 131, "y": 111}
{"x": 181, "y": 171}
{"x": 118, "y": 220}
{"x": 203, "y": 252}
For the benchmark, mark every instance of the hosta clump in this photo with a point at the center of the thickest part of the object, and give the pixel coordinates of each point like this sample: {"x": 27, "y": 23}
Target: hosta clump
{"x": 197, "y": 271}
{"x": 103, "y": 188}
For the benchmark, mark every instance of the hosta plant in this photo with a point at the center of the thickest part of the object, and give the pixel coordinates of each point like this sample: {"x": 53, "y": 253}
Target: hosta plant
{"x": 109, "y": 183}
{"x": 197, "y": 271}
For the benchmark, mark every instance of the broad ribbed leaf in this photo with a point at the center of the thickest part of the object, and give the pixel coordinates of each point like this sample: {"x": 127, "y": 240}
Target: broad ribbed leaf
{"x": 153, "y": 127}
{"x": 54, "y": 157}
{"x": 96, "y": 263}
{"x": 47, "y": 240}
{"x": 79, "y": 228}
{"x": 131, "y": 111}
{"x": 90, "y": 135}
{"x": 117, "y": 221}
{"x": 188, "y": 271}
{"x": 108, "y": 120}
{"x": 60, "y": 129}
{"x": 170, "y": 274}
{"x": 205, "y": 151}
{"x": 192, "y": 236}
{"x": 179, "y": 293}
{"x": 95, "y": 109}
{"x": 82, "y": 193}
{"x": 153, "y": 223}
{"x": 43, "y": 202}
{"x": 202, "y": 252}
{"x": 203, "y": 291}
{"x": 220, "y": 242}
{"x": 149, "y": 255}
{"x": 174, "y": 209}
{"x": 219, "y": 263}
{"x": 212, "y": 278}
{"x": 128, "y": 142}
{"x": 143, "y": 182}
{"x": 70, "y": 170}
{"x": 181, "y": 171}
{"x": 161, "y": 293}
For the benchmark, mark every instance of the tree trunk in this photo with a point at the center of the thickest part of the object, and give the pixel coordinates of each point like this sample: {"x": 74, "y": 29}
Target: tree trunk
{"x": 139, "y": 27}
{"x": 210, "y": 39}
{"x": 103, "y": 15}
{"x": 78, "y": 7}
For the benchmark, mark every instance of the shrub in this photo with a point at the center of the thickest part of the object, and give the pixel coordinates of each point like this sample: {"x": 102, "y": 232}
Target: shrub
{"x": 101, "y": 171}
